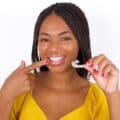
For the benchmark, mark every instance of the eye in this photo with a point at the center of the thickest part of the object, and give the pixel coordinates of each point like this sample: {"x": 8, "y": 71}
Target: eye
{"x": 44, "y": 40}
{"x": 66, "y": 38}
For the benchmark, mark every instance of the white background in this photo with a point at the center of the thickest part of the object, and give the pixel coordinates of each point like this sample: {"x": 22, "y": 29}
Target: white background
{"x": 17, "y": 19}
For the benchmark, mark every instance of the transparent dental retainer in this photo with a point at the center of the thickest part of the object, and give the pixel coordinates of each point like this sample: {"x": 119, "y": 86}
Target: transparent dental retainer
{"x": 75, "y": 64}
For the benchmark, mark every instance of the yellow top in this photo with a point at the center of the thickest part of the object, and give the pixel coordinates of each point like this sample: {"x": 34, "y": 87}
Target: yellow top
{"x": 95, "y": 107}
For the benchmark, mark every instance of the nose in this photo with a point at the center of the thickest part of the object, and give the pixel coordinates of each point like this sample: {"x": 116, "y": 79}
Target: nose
{"x": 54, "y": 46}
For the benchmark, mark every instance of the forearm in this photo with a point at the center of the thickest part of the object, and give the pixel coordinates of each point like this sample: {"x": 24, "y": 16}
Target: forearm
{"x": 114, "y": 105}
{"x": 5, "y": 106}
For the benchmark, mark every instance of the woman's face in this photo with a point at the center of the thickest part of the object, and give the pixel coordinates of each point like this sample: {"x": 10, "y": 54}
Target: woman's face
{"x": 57, "y": 43}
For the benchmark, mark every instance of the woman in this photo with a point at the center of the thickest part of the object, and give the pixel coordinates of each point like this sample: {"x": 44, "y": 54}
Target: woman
{"x": 56, "y": 90}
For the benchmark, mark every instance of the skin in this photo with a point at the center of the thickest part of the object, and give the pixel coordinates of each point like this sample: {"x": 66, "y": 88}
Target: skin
{"x": 55, "y": 38}
{"x": 64, "y": 84}
{"x": 17, "y": 83}
{"x": 107, "y": 77}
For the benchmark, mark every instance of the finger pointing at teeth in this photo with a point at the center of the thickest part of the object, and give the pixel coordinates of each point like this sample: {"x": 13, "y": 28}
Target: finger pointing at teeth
{"x": 36, "y": 65}
{"x": 19, "y": 81}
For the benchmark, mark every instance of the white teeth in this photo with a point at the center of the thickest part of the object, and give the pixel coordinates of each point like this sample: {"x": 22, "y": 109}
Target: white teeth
{"x": 56, "y": 58}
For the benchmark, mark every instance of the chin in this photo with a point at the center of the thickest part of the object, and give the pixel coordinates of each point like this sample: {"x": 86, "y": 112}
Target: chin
{"x": 59, "y": 69}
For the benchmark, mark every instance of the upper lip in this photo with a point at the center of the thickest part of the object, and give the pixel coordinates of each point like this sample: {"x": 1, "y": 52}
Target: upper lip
{"x": 55, "y": 56}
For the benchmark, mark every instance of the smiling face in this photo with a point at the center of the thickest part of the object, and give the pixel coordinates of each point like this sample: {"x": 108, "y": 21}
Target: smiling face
{"x": 57, "y": 43}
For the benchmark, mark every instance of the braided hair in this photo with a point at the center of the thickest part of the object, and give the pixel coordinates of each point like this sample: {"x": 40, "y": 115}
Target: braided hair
{"x": 76, "y": 21}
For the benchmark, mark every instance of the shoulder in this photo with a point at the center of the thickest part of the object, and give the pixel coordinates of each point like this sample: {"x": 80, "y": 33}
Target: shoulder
{"x": 96, "y": 93}
{"x": 96, "y": 98}
{"x": 21, "y": 98}
{"x": 96, "y": 90}
{"x": 19, "y": 101}
{"x": 98, "y": 102}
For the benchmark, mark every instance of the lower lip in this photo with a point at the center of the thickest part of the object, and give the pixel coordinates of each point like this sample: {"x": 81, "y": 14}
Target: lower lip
{"x": 56, "y": 63}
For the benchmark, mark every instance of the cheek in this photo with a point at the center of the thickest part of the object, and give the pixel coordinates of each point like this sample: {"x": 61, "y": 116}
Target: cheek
{"x": 72, "y": 50}
{"x": 42, "y": 50}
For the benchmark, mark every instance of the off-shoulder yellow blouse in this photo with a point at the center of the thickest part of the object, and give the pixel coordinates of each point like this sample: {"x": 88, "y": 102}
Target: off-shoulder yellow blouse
{"x": 95, "y": 107}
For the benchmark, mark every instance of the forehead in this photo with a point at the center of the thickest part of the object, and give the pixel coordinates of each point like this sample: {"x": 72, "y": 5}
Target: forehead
{"x": 54, "y": 24}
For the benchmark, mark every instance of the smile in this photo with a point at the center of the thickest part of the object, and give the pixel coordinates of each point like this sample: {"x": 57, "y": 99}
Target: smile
{"x": 56, "y": 60}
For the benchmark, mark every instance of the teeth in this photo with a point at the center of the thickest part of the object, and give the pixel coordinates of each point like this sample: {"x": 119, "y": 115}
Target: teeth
{"x": 56, "y": 58}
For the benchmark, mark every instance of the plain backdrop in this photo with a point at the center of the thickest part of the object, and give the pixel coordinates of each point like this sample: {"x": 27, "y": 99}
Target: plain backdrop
{"x": 17, "y": 20}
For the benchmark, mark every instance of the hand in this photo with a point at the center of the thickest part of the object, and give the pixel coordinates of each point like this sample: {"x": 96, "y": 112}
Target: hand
{"x": 19, "y": 82}
{"x": 104, "y": 72}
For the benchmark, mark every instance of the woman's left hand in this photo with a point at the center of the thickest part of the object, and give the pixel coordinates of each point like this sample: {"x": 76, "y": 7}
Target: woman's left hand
{"x": 104, "y": 72}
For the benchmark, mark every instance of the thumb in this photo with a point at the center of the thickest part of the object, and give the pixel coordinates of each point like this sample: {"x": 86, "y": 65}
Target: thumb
{"x": 22, "y": 65}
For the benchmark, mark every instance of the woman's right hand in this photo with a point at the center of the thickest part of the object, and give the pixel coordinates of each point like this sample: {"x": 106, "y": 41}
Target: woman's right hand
{"x": 19, "y": 82}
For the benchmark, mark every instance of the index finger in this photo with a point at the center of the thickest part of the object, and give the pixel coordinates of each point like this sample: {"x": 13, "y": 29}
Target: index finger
{"x": 35, "y": 65}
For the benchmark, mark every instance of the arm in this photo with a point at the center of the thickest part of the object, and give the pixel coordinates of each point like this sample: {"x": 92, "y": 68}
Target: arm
{"x": 16, "y": 84}
{"x": 114, "y": 105}
{"x": 107, "y": 77}
{"x": 5, "y": 105}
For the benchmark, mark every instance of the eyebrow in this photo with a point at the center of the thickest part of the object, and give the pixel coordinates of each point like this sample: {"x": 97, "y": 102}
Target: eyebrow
{"x": 62, "y": 33}
{"x": 65, "y": 32}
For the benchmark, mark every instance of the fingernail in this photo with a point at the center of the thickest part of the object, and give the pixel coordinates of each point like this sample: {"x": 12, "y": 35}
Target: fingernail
{"x": 102, "y": 74}
{"x": 88, "y": 62}
{"x": 23, "y": 62}
{"x": 47, "y": 61}
{"x": 97, "y": 72}
{"x": 91, "y": 65}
